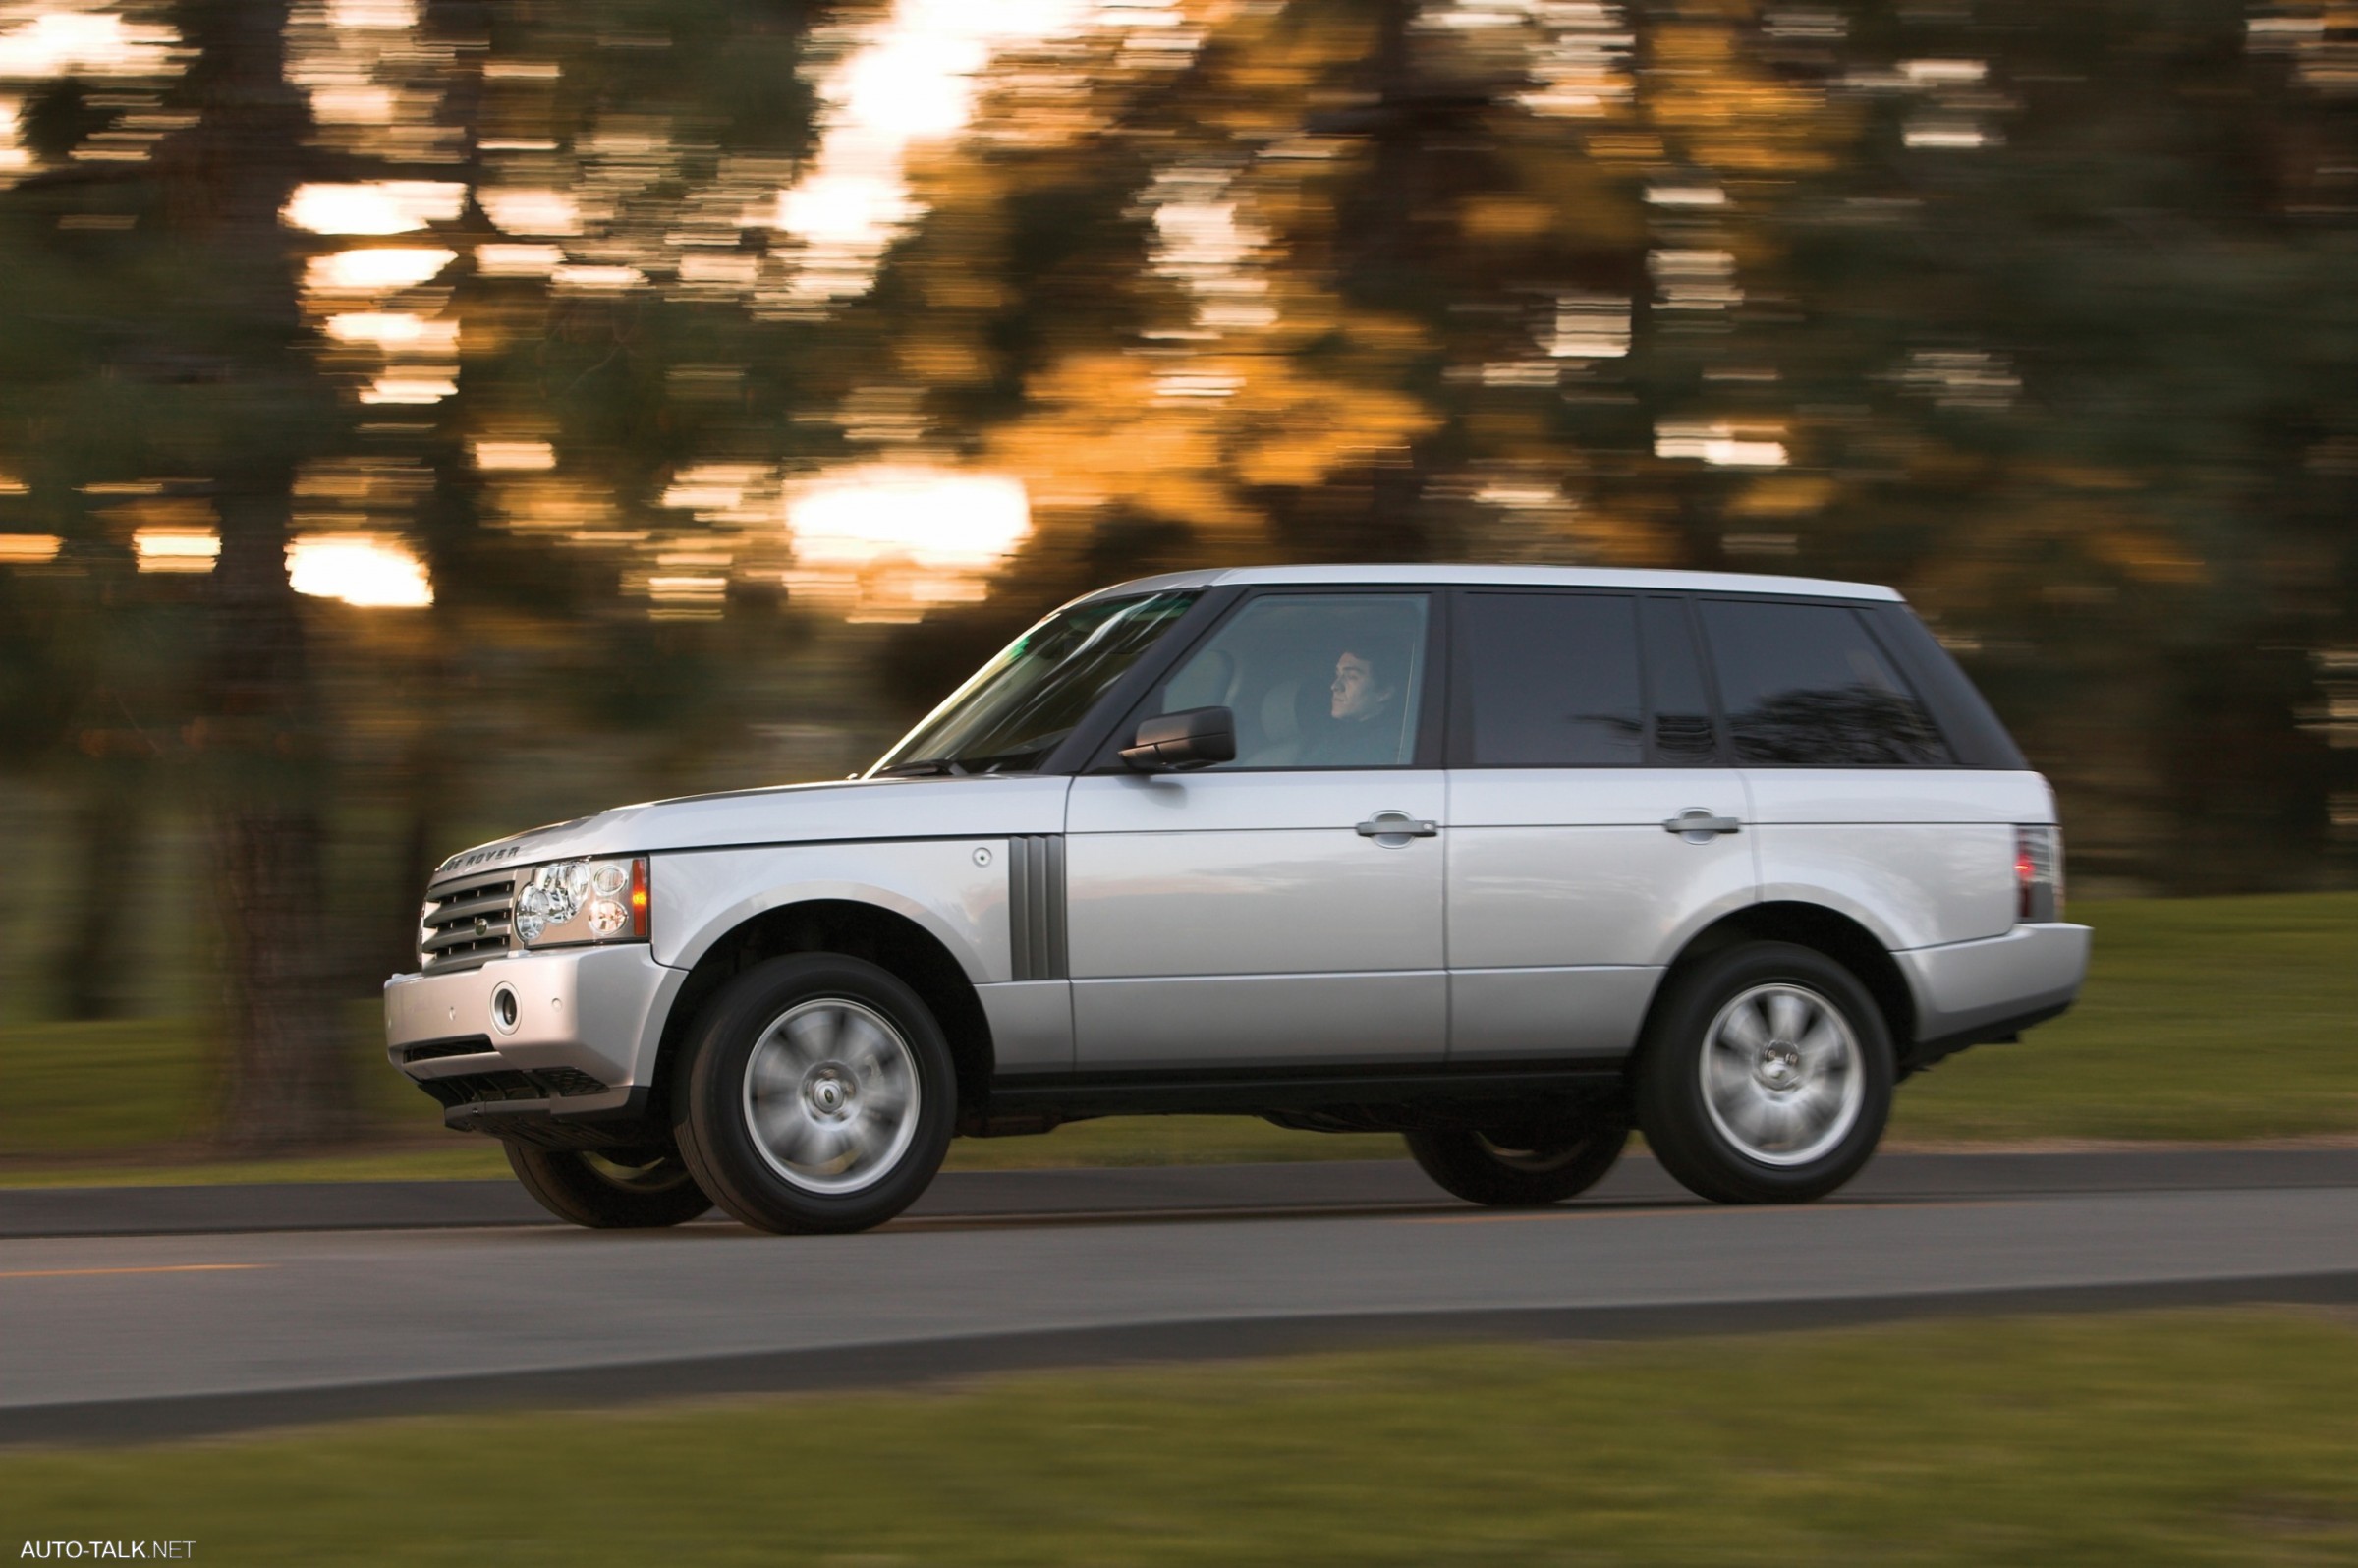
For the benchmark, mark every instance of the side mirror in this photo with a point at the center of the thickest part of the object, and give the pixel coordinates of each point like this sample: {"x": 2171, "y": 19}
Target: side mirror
{"x": 1192, "y": 738}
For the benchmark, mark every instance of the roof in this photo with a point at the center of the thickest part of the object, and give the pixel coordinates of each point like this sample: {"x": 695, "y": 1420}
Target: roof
{"x": 1505, "y": 577}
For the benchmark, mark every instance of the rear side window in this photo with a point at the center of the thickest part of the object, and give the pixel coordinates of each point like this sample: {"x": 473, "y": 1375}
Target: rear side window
{"x": 1808, "y": 686}
{"x": 1552, "y": 680}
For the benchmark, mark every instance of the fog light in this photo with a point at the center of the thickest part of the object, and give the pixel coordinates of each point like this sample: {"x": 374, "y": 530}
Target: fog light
{"x": 506, "y": 1011}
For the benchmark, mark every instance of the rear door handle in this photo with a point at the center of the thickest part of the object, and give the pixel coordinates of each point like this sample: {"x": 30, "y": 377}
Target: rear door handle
{"x": 1700, "y": 825}
{"x": 1392, "y": 829}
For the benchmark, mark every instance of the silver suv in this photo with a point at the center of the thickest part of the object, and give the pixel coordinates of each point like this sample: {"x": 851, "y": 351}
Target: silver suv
{"x": 1509, "y": 860}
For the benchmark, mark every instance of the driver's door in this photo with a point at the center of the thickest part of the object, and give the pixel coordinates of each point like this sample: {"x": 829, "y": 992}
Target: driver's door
{"x": 1285, "y": 908}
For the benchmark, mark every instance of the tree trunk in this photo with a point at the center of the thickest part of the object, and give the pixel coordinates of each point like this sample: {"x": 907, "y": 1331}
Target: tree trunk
{"x": 92, "y": 963}
{"x": 289, "y": 1082}
{"x": 225, "y": 183}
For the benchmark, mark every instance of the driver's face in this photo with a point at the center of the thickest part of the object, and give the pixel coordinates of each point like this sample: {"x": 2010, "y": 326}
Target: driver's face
{"x": 1355, "y": 694}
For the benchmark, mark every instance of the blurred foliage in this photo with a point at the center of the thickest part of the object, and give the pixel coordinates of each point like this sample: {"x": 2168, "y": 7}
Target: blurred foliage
{"x": 2042, "y": 313}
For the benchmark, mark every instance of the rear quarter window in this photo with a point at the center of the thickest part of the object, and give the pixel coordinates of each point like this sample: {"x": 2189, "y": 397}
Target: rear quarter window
{"x": 1810, "y": 685}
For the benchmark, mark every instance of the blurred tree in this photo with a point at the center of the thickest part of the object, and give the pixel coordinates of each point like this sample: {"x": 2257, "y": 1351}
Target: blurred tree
{"x": 2089, "y": 354}
{"x": 91, "y": 659}
{"x": 238, "y": 400}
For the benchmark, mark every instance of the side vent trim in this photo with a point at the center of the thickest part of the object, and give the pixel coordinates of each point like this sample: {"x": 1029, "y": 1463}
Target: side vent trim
{"x": 1035, "y": 929}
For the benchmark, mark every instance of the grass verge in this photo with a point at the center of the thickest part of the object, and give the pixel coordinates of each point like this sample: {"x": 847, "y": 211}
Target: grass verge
{"x": 2150, "y": 1438}
{"x": 2203, "y": 1020}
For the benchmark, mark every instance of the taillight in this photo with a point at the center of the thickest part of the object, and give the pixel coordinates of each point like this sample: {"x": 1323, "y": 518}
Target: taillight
{"x": 638, "y": 897}
{"x": 2038, "y": 874}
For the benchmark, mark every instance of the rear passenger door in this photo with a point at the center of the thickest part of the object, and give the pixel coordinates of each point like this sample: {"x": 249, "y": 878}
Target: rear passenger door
{"x": 1581, "y": 736}
{"x": 1859, "y": 800}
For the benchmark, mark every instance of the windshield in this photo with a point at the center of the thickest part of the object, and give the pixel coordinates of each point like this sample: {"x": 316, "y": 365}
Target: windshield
{"x": 1011, "y": 715}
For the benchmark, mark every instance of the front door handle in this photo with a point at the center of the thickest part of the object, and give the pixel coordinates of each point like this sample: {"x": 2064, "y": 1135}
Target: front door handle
{"x": 1394, "y": 829}
{"x": 1700, "y": 826}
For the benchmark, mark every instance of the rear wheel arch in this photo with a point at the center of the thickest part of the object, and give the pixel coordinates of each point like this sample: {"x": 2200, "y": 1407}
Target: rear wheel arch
{"x": 883, "y": 937}
{"x": 1812, "y": 925}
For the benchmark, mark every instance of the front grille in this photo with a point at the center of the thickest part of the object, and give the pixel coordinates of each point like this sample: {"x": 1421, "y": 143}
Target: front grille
{"x": 468, "y": 921}
{"x": 481, "y": 1088}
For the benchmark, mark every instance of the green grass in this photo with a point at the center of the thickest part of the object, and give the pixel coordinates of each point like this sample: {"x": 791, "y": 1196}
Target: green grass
{"x": 2212, "y": 1018}
{"x": 145, "y": 1092}
{"x": 452, "y": 1156}
{"x": 82, "y": 1087}
{"x": 2203, "y": 1019}
{"x": 2149, "y": 1438}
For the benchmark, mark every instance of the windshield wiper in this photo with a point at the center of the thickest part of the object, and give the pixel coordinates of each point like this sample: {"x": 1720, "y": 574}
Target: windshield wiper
{"x": 931, "y": 767}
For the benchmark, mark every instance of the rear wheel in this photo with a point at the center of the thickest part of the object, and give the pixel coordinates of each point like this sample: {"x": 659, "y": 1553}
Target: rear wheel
{"x": 1518, "y": 1170}
{"x": 619, "y": 1189}
{"x": 818, "y": 1095}
{"x": 1765, "y": 1076}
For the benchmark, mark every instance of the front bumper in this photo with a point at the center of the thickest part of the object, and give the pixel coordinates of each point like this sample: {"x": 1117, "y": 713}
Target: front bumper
{"x": 586, "y": 1025}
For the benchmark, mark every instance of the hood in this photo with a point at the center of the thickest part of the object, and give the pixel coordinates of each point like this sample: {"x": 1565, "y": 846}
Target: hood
{"x": 985, "y": 806}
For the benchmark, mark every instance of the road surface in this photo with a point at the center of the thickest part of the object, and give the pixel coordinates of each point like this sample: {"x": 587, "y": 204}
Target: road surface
{"x": 165, "y": 1328}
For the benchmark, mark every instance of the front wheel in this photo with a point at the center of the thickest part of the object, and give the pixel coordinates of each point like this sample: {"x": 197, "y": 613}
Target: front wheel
{"x": 1517, "y": 1171}
{"x": 1765, "y": 1076}
{"x": 816, "y": 1095}
{"x": 621, "y": 1190}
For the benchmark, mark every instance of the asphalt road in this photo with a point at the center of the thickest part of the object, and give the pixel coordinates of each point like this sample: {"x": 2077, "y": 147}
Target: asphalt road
{"x": 176, "y": 1331}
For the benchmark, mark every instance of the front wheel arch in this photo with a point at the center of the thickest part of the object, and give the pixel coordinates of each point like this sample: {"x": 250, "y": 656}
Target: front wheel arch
{"x": 863, "y": 1136}
{"x": 890, "y": 940}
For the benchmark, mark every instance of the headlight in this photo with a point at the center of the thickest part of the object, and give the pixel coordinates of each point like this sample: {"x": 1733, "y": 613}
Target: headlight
{"x": 583, "y": 901}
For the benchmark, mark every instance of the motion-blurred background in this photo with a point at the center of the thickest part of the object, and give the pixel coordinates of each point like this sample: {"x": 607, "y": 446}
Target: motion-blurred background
{"x": 424, "y": 418}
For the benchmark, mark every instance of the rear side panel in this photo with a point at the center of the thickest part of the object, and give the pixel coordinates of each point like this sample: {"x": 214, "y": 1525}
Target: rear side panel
{"x": 1919, "y": 857}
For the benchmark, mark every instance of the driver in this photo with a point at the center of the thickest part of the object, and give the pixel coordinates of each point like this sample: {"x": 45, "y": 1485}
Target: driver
{"x": 1365, "y": 710}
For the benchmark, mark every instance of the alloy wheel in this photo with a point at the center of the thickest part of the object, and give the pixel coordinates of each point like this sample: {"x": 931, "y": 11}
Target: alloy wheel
{"x": 831, "y": 1095}
{"x": 1783, "y": 1077}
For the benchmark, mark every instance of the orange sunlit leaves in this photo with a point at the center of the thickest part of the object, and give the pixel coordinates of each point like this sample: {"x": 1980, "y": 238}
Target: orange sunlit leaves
{"x": 1725, "y": 112}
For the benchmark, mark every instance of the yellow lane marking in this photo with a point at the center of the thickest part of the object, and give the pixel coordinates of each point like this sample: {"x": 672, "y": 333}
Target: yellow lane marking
{"x": 156, "y": 1268}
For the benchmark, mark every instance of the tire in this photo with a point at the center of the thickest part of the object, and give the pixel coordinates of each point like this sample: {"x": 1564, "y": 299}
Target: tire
{"x": 1507, "y": 1174}
{"x": 1765, "y": 1076}
{"x": 816, "y": 1093}
{"x": 623, "y": 1190}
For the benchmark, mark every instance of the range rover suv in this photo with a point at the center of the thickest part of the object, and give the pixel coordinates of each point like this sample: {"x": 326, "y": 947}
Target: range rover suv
{"x": 1508, "y": 859}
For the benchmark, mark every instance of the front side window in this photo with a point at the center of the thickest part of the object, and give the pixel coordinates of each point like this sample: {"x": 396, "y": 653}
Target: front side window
{"x": 1552, "y": 680}
{"x": 1808, "y": 686}
{"x": 1016, "y": 708}
{"x": 1314, "y": 679}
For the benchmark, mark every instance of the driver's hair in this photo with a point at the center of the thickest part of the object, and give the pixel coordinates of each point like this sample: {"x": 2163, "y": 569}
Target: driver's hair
{"x": 1383, "y": 664}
